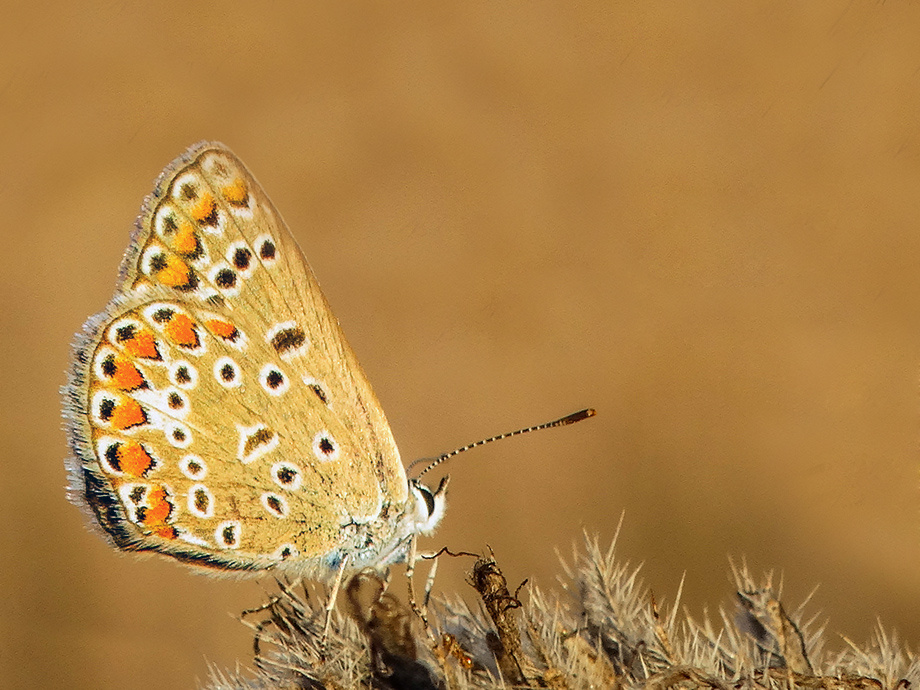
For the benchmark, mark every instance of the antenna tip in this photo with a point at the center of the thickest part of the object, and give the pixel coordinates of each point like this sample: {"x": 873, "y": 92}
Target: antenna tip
{"x": 578, "y": 416}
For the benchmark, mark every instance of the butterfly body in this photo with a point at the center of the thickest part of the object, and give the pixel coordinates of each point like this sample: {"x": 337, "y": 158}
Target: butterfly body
{"x": 215, "y": 411}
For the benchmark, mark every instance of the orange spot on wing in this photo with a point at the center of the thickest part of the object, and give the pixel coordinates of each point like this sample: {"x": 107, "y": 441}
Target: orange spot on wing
{"x": 203, "y": 210}
{"x": 222, "y": 329}
{"x": 166, "y": 532}
{"x": 236, "y": 193}
{"x": 158, "y": 507}
{"x": 127, "y": 413}
{"x": 142, "y": 344}
{"x": 176, "y": 273}
{"x": 127, "y": 377}
{"x": 181, "y": 330}
{"x": 185, "y": 241}
{"x": 134, "y": 459}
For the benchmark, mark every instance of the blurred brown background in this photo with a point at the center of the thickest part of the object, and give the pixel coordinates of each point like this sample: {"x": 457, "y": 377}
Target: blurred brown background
{"x": 702, "y": 221}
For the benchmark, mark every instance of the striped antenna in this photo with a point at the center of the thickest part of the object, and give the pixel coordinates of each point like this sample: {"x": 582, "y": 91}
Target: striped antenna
{"x": 563, "y": 421}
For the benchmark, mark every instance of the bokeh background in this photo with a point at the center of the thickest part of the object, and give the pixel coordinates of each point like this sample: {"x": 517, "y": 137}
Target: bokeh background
{"x": 702, "y": 219}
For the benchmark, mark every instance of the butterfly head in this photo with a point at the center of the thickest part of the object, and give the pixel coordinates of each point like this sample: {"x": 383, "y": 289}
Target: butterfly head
{"x": 429, "y": 505}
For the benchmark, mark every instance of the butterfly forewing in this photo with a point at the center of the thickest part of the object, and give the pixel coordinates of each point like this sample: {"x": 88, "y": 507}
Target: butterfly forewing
{"x": 217, "y": 411}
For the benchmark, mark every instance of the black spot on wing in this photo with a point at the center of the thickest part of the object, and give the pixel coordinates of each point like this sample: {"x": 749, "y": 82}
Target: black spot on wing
{"x": 288, "y": 339}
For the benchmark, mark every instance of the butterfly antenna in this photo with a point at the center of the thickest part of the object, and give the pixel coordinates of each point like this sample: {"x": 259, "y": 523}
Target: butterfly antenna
{"x": 562, "y": 421}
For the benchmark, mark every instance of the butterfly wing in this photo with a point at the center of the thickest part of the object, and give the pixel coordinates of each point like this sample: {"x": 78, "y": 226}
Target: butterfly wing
{"x": 215, "y": 409}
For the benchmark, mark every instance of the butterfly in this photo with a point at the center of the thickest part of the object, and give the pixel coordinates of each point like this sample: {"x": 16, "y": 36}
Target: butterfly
{"x": 214, "y": 409}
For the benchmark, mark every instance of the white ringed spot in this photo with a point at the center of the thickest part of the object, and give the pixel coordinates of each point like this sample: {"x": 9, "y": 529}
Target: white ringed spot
{"x": 273, "y": 380}
{"x": 227, "y": 534}
{"x": 287, "y": 475}
{"x": 101, "y": 407}
{"x": 183, "y": 375}
{"x": 287, "y": 339}
{"x": 325, "y": 447}
{"x": 266, "y": 249}
{"x": 117, "y": 330}
{"x": 193, "y": 467}
{"x": 225, "y": 279}
{"x": 200, "y": 501}
{"x": 178, "y": 435}
{"x": 133, "y": 496}
{"x": 187, "y": 186}
{"x": 175, "y": 403}
{"x": 255, "y": 441}
{"x": 227, "y": 372}
{"x": 275, "y": 505}
{"x": 106, "y": 448}
{"x": 158, "y": 314}
{"x": 166, "y": 221}
{"x": 153, "y": 257}
{"x": 241, "y": 257}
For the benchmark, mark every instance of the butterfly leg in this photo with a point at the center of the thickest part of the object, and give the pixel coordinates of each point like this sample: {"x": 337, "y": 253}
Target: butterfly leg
{"x": 410, "y": 579}
{"x": 429, "y": 583}
{"x": 420, "y": 611}
{"x": 330, "y": 605}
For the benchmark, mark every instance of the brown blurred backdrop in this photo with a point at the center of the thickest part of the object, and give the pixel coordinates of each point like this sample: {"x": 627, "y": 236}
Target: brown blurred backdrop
{"x": 702, "y": 221}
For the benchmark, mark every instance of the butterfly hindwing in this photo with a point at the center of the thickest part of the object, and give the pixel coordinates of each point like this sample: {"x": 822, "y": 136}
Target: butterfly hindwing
{"x": 215, "y": 409}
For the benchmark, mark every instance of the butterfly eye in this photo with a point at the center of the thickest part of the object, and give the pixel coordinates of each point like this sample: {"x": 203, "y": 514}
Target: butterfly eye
{"x": 431, "y": 502}
{"x": 426, "y": 494}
